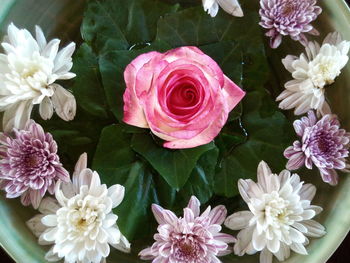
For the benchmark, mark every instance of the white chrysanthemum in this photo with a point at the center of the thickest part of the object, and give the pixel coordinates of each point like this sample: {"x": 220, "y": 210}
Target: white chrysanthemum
{"x": 80, "y": 224}
{"x": 312, "y": 72}
{"x": 280, "y": 216}
{"x": 230, "y": 6}
{"x": 28, "y": 70}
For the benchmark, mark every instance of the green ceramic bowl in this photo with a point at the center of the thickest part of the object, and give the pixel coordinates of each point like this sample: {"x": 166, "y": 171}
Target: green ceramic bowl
{"x": 62, "y": 18}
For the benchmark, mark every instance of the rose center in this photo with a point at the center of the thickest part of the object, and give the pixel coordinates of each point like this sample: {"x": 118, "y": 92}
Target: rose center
{"x": 182, "y": 99}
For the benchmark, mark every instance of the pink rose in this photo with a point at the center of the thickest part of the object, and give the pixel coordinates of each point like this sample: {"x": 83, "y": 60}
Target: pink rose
{"x": 181, "y": 95}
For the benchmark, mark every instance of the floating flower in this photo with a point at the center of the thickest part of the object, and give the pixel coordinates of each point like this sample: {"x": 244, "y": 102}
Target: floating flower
{"x": 230, "y": 6}
{"x": 29, "y": 164}
{"x": 312, "y": 72}
{"x": 181, "y": 95}
{"x": 288, "y": 17}
{"x": 194, "y": 238}
{"x": 80, "y": 224}
{"x": 280, "y": 216}
{"x": 322, "y": 143}
{"x": 28, "y": 70}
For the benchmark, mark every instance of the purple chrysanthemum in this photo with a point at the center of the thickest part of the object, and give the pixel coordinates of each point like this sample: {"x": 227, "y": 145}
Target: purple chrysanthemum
{"x": 29, "y": 164}
{"x": 322, "y": 143}
{"x": 288, "y": 17}
{"x": 194, "y": 238}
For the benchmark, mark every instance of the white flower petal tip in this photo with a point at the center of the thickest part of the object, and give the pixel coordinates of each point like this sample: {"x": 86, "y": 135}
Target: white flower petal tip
{"x": 81, "y": 163}
{"x": 29, "y": 68}
{"x": 46, "y": 109}
{"x": 280, "y": 216}
{"x": 231, "y": 7}
{"x": 116, "y": 192}
{"x": 64, "y": 103}
{"x": 123, "y": 245}
{"x": 313, "y": 71}
{"x": 238, "y": 220}
{"x": 194, "y": 237}
{"x": 82, "y": 219}
{"x": 194, "y": 205}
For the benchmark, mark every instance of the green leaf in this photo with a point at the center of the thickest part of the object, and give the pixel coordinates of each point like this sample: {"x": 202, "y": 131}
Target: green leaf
{"x": 134, "y": 212}
{"x": 112, "y": 66}
{"x": 174, "y": 165}
{"x": 192, "y": 26}
{"x": 122, "y": 24}
{"x": 269, "y": 133}
{"x": 100, "y": 27}
{"x": 73, "y": 137}
{"x": 229, "y": 56}
{"x": 236, "y": 113}
{"x": 166, "y": 194}
{"x": 116, "y": 163}
{"x": 201, "y": 181}
{"x": 113, "y": 153}
{"x": 87, "y": 88}
{"x": 232, "y": 135}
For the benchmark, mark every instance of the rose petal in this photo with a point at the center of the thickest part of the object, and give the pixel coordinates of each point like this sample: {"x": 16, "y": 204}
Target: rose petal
{"x": 232, "y": 93}
{"x": 133, "y": 112}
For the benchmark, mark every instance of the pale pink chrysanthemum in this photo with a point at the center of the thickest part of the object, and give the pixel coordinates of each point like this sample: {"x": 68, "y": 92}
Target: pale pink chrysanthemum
{"x": 194, "y": 238}
{"x": 29, "y": 164}
{"x": 288, "y": 17}
{"x": 322, "y": 143}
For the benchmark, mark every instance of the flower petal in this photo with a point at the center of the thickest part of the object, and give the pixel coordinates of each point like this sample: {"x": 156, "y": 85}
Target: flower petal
{"x": 50, "y": 220}
{"x": 265, "y": 256}
{"x": 116, "y": 193}
{"x": 17, "y": 115}
{"x": 232, "y": 93}
{"x": 133, "y": 112}
{"x": 314, "y": 229}
{"x": 238, "y": 220}
{"x": 48, "y": 206}
{"x": 46, "y": 109}
{"x": 194, "y": 205}
{"x": 307, "y": 192}
{"x": 298, "y": 248}
{"x": 35, "y": 225}
{"x": 231, "y": 7}
{"x": 124, "y": 245}
{"x": 217, "y": 215}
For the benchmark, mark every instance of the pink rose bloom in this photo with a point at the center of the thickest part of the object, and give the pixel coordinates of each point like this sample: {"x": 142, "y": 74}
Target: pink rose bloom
{"x": 181, "y": 95}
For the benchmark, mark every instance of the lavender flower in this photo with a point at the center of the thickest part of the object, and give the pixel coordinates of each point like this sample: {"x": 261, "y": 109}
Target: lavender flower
{"x": 194, "y": 238}
{"x": 29, "y": 164}
{"x": 288, "y": 17}
{"x": 322, "y": 143}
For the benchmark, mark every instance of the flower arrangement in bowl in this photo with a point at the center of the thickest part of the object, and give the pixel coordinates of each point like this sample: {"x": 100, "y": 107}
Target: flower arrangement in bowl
{"x": 172, "y": 131}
